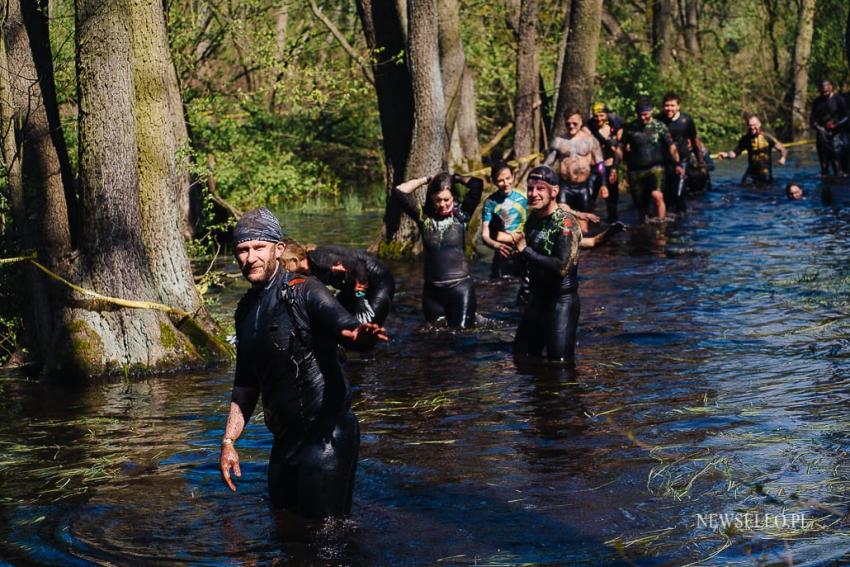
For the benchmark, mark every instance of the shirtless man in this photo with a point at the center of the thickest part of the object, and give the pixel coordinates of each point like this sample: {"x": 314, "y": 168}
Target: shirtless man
{"x": 580, "y": 156}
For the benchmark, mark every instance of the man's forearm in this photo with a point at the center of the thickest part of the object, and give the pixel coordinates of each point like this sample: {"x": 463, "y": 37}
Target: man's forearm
{"x": 242, "y": 404}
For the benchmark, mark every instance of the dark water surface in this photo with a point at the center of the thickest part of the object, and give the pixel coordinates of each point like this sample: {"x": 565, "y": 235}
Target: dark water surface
{"x": 713, "y": 378}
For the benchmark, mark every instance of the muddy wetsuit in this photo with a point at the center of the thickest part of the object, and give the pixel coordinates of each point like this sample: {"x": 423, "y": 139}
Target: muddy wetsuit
{"x": 682, "y": 131}
{"x": 551, "y": 318}
{"x": 448, "y": 290}
{"x": 759, "y": 148}
{"x": 287, "y": 335}
{"x": 648, "y": 151}
{"x": 366, "y": 287}
{"x": 829, "y": 117}
{"x": 608, "y": 144}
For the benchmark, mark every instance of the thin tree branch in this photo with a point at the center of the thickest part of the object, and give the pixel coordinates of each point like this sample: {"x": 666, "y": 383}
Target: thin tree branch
{"x": 367, "y": 70}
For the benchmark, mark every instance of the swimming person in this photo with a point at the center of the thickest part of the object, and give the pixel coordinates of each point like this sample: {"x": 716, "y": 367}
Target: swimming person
{"x": 759, "y": 146}
{"x": 448, "y": 290}
{"x": 366, "y": 286}
{"x": 287, "y": 329}
{"x": 550, "y": 247}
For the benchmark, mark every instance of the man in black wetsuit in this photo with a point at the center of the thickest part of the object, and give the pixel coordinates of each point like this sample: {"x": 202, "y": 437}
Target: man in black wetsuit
{"x": 684, "y": 133}
{"x": 759, "y": 146}
{"x": 366, "y": 286}
{"x": 549, "y": 246}
{"x": 287, "y": 331}
{"x": 647, "y": 147}
{"x": 829, "y": 118}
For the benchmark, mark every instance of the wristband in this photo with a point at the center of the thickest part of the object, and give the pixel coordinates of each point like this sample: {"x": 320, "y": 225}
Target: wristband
{"x": 227, "y": 441}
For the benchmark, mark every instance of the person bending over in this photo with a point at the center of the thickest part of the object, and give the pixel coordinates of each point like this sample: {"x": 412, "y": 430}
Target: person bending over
{"x": 366, "y": 286}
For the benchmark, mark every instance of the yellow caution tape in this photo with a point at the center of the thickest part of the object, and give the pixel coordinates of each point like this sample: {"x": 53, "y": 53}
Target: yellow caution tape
{"x": 129, "y": 303}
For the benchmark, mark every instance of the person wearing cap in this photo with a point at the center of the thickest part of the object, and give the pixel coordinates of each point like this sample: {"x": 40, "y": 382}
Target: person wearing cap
{"x": 759, "y": 146}
{"x": 683, "y": 130}
{"x": 647, "y": 146}
{"x": 287, "y": 329}
{"x": 549, "y": 245}
{"x": 443, "y": 219}
{"x": 579, "y": 158}
{"x": 605, "y": 127}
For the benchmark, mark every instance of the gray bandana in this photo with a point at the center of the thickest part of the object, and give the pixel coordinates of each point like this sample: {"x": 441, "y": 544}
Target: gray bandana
{"x": 257, "y": 224}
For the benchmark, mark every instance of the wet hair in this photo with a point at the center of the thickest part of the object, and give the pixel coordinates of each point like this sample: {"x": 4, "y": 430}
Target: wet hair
{"x": 672, "y": 96}
{"x": 439, "y": 183}
{"x": 571, "y": 111}
{"x": 497, "y": 168}
{"x": 788, "y": 189}
{"x": 296, "y": 251}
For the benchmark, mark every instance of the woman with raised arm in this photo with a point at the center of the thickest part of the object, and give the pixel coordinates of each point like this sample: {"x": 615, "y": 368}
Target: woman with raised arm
{"x": 443, "y": 219}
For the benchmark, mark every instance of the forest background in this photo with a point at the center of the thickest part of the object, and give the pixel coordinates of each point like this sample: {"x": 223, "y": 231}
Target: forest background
{"x": 279, "y": 97}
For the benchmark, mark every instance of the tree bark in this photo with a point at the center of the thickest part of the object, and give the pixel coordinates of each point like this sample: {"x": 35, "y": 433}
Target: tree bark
{"x": 467, "y": 122}
{"x": 385, "y": 37}
{"x": 662, "y": 28}
{"x": 692, "y": 29}
{"x": 527, "y": 81}
{"x": 577, "y": 81}
{"x": 452, "y": 61}
{"x": 562, "y": 50}
{"x": 37, "y": 164}
{"x": 800, "y": 68}
{"x": 132, "y": 247}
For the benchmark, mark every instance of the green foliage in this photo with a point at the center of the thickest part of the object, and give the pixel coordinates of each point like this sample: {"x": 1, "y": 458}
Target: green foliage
{"x": 828, "y": 59}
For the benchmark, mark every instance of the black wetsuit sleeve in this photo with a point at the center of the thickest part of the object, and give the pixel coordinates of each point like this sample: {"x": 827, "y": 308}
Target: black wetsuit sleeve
{"x": 324, "y": 258}
{"x": 560, "y": 258}
{"x": 327, "y": 316}
{"x": 742, "y": 145}
{"x": 473, "y": 196}
{"x": 243, "y": 376}
{"x": 409, "y": 204}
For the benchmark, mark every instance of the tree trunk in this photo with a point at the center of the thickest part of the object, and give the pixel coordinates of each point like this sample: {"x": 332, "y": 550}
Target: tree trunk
{"x": 37, "y": 164}
{"x": 577, "y": 81}
{"x": 527, "y": 81}
{"x": 385, "y": 37}
{"x": 467, "y": 123}
{"x": 562, "y": 50}
{"x": 662, "y": 40}
{"x": 132, "y": 246}
{"x": 452, "y": 61}
{"x": 800, "y": 68}
{"x": 692, "y": 29}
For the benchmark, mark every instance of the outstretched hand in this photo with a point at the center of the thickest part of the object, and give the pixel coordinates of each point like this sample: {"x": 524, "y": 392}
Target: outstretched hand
{"x": 229, "y": 459}
{"x": 365, "y": 333}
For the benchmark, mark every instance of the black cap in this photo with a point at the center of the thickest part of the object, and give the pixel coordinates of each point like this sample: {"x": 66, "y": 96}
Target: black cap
{"x": 544, "y": 173}
{"x": 643, "y": 104}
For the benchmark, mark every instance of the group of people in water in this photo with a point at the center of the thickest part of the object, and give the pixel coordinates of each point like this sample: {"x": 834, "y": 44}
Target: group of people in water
{"x": 289, "y": 327}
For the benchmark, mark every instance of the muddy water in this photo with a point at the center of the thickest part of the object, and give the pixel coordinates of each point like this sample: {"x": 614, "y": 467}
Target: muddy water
{"x": 713, "y": 379}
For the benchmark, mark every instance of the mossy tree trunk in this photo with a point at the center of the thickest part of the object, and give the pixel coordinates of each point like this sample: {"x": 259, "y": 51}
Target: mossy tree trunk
{"x": 131, "y": 244}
